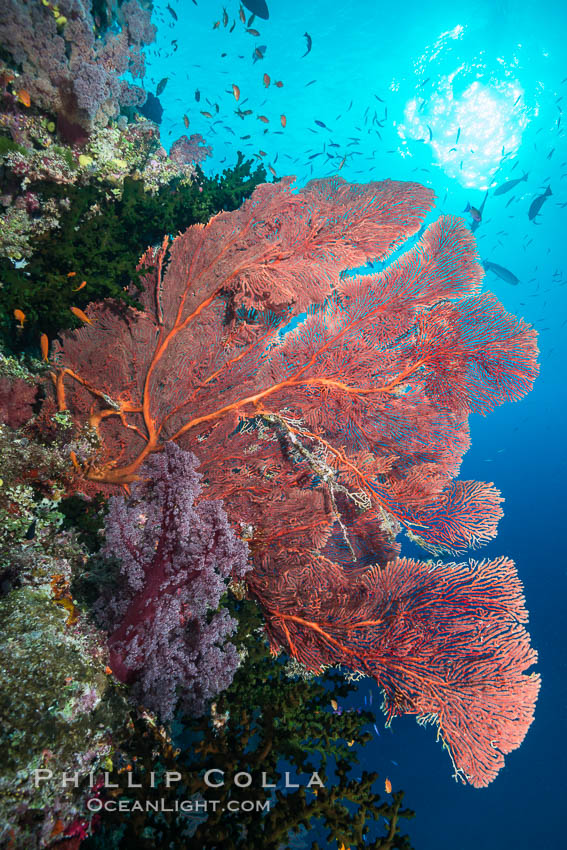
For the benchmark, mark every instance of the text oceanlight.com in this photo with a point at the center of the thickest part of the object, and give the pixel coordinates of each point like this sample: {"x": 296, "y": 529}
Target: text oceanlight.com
{"x": 186, "y": 806}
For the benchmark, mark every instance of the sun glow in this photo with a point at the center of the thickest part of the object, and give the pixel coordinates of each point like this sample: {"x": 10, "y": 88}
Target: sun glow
{"x": 471, "y": 114}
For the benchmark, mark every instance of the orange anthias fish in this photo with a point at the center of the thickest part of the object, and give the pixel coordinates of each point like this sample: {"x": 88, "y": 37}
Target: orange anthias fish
{"x": 387, "y": 786}
{"x": 272, "y": 169}
{"x": 20, "y": 317}
{"x": 44, "y": 344}
{"x": 235, "y": 91}
{"x": 185, "y": 121}
{"x": 283, "y": 120}
{"x": 24, "y": 97}
{"x": 80, "y": 286}
{"x": 334, "y": 704}
{"x": 264, "y": 119}
{"x": 80, "y": 315}
{"x": 206, "y": 114}
{"x": 242, "y": 15}
{"x": 71, "y": 274}
{"x": 266, "y": 80}
{"x": 58, "y": 828}
{"x": 279, "y": 84}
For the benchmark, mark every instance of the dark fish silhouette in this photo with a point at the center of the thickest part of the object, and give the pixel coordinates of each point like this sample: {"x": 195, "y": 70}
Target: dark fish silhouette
{"x": 501, "y": 272}
{"x": 537, "y": 204}
{"x": 197, "y": 95}
{"x": 309, "y": 44}
{"x": 510, "y": 184}
{"x": 476, "y": 224}
{"x": 259, "y": 52}
{"x": 171, "y": 12}
{"x": 257, "y": 7}
{"x": 161, "y": 86}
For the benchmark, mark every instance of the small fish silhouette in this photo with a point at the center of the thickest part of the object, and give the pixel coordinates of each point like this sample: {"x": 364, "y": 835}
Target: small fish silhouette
{"x": 537, "y": 204}
{"x": 161, "y": 86}
{"x": 501, "y": 272}
{"x": 509, "y": 184}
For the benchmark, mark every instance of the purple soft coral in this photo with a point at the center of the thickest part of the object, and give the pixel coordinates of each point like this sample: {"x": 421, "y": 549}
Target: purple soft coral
{"x": 73, "y": 67}
{"x": 175, "y": 558}
{"x": 190, "y": 149}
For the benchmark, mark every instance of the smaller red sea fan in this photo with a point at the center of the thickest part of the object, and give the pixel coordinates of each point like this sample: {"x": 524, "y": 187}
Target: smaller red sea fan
{"x": 445, "y": 642}
{"x": 16, "y": 400}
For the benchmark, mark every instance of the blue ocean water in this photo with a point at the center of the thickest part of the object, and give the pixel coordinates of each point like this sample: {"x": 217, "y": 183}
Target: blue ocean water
{"x": 461, "y": 98}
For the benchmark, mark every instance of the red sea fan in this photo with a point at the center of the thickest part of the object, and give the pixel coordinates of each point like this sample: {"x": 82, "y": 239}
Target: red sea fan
{"x": 369, "y": 368}
{"x": 16, "y": 400}
{"x": 327, "y": 439}
{"x": 445, "y": 642}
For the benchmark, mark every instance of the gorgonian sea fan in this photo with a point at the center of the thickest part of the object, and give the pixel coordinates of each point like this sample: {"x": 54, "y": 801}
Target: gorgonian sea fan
{"x": 175, "y": 559}
{"x": 330, "y": 438}
{"x": 446, "y": 642}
